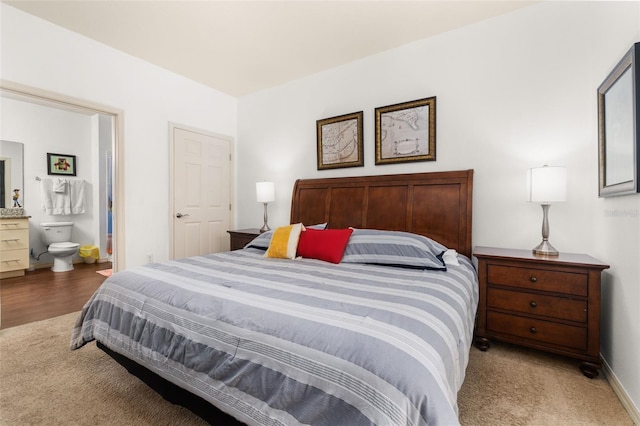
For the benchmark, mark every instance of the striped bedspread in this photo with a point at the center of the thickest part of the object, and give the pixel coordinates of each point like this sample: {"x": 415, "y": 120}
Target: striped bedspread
{"x": 290, "y": 342}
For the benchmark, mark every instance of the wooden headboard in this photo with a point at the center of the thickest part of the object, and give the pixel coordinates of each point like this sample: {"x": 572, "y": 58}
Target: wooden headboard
{"x": 437, "y": 205}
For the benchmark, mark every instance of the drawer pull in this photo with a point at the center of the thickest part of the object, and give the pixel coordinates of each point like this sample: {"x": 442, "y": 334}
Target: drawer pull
{"x": 533, "y": 279}
{"x": 533, "y": 330}
{"x": 11, "y": 239}
{"x": 533, "y": 304}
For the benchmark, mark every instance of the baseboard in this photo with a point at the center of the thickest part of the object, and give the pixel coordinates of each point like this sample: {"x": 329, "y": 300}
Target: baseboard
{"x": 43, "y": 265}
{"x": 620, "y": 392}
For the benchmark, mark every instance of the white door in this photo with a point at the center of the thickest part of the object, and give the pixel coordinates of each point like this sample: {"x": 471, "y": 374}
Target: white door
{"x": 201, "y": 189}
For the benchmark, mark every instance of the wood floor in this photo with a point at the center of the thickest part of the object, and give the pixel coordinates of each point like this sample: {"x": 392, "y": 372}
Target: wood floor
{"x": 44, "y": 294}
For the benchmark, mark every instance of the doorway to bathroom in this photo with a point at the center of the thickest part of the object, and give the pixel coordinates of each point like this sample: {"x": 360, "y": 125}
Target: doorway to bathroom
{"x": 96, "y": 135}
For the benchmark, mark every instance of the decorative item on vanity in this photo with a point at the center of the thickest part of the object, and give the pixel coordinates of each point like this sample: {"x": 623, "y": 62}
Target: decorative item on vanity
{"x": 265, "y": 193}
{"x": 16, "y": 198}
{"x": 546, "y": 185}
{"x": 57, "y": 236}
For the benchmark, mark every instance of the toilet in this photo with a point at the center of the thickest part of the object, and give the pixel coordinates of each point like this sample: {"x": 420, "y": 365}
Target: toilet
{"x": 57, "y": 236}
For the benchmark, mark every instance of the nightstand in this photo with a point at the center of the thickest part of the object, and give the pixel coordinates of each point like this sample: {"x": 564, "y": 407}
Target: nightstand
{"x": 547, "y": 303}
{"x": 241, "y": 237}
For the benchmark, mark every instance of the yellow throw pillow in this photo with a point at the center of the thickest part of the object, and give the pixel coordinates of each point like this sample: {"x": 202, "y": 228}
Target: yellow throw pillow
{"x": 284, "y": 242}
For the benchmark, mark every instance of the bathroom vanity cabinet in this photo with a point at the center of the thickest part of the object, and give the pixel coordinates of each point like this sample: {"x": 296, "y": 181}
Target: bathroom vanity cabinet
{"x": 14, "y": 246}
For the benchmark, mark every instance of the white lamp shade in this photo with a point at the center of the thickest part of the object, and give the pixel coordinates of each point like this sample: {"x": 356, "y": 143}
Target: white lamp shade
{"x": 547, "y": 184}
{"x": 265, "y": 192}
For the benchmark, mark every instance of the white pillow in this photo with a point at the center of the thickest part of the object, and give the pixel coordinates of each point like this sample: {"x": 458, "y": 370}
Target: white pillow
{"x": 450, "y": 257}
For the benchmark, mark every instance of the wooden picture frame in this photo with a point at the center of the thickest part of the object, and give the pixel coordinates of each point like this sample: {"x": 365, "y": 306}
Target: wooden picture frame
{"x": 339, "y": 141}
{"x": 61, "y": 164}
{"x": 618, "y": 132}
{"x": 406, "y": 132}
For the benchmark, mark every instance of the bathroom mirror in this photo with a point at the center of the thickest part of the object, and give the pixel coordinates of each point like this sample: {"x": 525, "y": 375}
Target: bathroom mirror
{"x": 11, "y": 173}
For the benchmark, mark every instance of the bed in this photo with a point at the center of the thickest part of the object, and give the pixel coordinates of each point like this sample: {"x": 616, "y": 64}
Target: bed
{"x": 381, "y": 337}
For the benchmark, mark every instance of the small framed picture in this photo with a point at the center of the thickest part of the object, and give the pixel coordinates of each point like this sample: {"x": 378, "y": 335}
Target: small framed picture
{"x": 61, "y": 164}
{"x": 339, "y": 141}
{"x": 406, "y": 132}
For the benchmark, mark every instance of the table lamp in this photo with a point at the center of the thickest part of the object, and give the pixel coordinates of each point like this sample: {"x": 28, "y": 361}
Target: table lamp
{"x": 265, "y": 193}
{"x": 547, "y": 184}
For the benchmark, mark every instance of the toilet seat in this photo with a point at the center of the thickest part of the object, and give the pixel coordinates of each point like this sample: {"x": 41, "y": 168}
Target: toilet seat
{"x": 55, "y": 247}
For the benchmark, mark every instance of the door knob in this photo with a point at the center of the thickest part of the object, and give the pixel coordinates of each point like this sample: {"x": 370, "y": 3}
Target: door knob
{"x": 179, "y": 215}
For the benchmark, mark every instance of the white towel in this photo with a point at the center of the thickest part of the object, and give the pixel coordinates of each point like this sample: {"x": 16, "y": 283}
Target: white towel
{"x": 60, "y": 185}
{"x": 46, "y": 194}
{"x": 76, "y": 190}
{"x": 54, "y": 203}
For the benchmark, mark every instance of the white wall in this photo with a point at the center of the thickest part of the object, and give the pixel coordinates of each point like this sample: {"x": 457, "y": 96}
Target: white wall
{"x": 39, "y": 54}
{"x": 513, "y": 92}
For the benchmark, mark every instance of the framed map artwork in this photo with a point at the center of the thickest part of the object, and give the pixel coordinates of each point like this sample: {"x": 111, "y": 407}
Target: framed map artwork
{"x": 339, "y": 141}
{"x": 406, "y": 132}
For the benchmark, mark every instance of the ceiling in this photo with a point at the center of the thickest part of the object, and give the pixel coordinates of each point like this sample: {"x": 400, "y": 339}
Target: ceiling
{"x": 240, "y": 47}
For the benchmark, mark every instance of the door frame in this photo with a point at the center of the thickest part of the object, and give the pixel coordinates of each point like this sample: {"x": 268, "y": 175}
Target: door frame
{"x": 57, "y": 100}
{"x": 172, "y": 171}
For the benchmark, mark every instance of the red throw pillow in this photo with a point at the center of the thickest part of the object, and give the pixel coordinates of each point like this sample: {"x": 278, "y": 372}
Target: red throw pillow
{"x": 326, "y": 244}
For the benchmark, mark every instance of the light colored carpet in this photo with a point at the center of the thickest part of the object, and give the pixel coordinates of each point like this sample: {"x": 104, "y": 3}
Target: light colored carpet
{"x": 515, "y": 386}
{"x": 42, "y": 382}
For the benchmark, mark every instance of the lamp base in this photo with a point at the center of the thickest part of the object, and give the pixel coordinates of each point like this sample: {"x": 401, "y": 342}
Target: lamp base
{"x": 545, "y": 249}
{"x": 265, "y": 228}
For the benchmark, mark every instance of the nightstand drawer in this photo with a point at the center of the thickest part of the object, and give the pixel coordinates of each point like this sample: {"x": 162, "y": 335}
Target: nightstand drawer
{"x": 538, "y": 279}
{"x": 538, "y": 330}
{"x": 536, "y": 304}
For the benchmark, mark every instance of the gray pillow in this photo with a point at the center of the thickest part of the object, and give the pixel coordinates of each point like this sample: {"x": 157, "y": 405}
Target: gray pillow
{"x": 394, "y": 248}
{"x": 263, "y": 240}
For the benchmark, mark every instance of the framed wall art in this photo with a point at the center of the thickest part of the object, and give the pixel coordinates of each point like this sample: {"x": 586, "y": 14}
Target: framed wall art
{"x": 406, "y": 132}
{"x": 339, "y": 141}
{"x": 61, "y": 164}
{"x": 618, "y": 132}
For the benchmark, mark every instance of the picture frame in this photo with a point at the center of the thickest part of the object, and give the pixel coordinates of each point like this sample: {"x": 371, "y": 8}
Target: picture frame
{"x": 618, "y": 132}
{"x": 340, "y": 141}
{"x": 61, "y": 164}
{"x": 406, "y": 132}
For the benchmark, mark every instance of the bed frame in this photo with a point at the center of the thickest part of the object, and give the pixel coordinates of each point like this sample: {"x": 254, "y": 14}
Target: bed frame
{"x": 437, "y": 205}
